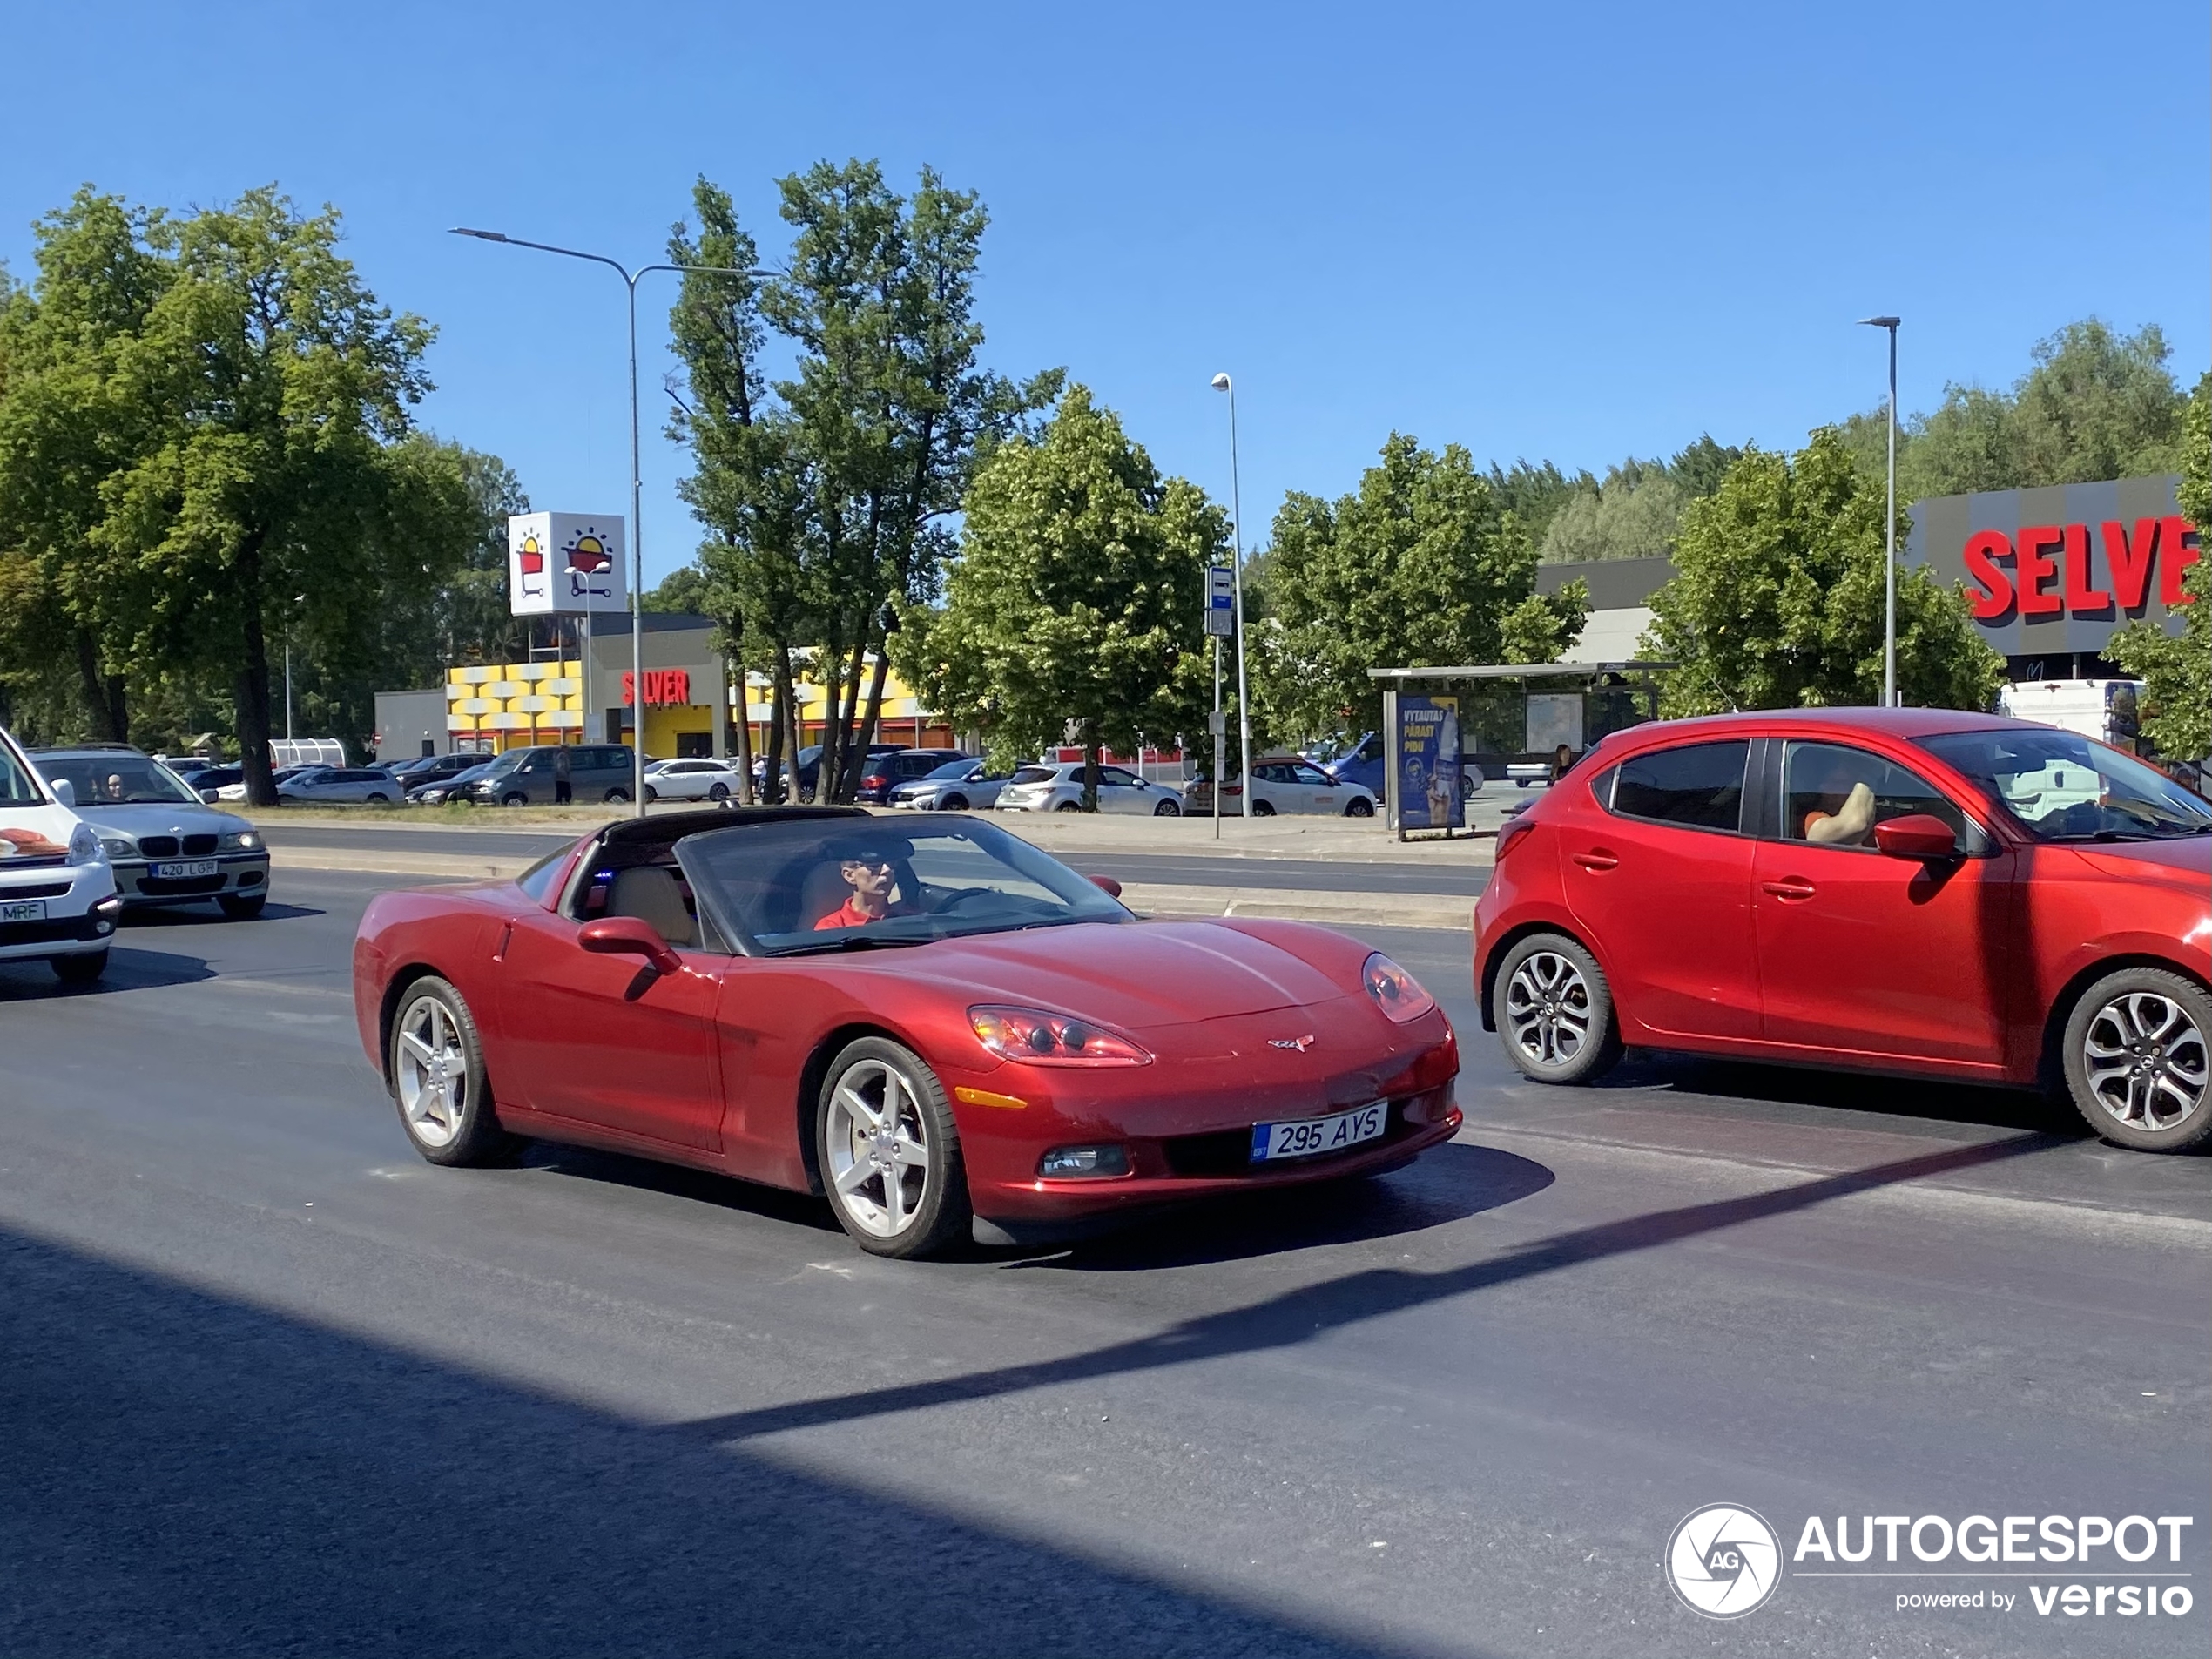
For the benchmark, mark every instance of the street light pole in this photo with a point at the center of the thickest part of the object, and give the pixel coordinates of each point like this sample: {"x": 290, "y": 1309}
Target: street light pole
{"x": 1223, "y": 383}
{"x": 1889, "y": 529}
{"x": 636, "y": 486}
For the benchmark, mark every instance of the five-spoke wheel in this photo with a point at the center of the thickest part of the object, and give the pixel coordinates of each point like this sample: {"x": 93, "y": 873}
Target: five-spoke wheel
{"x": 438, "y": 1078}
{"x": 889, "y": 1152}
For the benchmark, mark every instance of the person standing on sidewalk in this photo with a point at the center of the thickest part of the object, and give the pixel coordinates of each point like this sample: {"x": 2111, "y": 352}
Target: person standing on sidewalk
{"x": 563, "y": 776}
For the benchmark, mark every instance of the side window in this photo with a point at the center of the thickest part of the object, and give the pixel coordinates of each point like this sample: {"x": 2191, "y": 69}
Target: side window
{"x": 1834, "y": 795}
{"x": 1312, "y": 777}
{"x": 1115, "y": 776}
{"x": 1698, "y": 785}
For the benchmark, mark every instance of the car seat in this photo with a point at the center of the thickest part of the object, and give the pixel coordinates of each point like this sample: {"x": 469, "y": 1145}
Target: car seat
{"x": 649, "y": 892}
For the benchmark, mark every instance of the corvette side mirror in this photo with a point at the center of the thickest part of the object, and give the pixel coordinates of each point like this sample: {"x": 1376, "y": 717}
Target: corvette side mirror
{"x": 1918, "y": 835}
{"x": 1107, "y": 885}
{"x": 628, "y": 936}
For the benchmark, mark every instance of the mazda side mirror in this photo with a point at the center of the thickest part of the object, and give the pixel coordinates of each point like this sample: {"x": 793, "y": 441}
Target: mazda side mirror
{"x": 1107, "y": 885}
{"x": 629, "y": 936}
{"x": 1920, "y": 836}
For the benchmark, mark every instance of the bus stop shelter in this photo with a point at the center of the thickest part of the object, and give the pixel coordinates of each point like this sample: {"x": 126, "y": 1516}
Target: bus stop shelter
{"x": 1510, "y": 715}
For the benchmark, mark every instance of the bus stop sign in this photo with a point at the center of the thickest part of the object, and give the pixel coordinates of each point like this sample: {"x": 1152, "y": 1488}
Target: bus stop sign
{"x": 1221, "y": 602}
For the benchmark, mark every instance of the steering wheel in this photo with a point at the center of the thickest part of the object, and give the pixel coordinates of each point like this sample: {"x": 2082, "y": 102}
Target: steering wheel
{"x": 953, "y": 900}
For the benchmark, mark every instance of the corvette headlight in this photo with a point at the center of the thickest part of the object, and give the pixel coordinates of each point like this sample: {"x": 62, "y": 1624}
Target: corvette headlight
{"x": 1397, "y": 993}
{"x": 119, "y": 846}
{"x": 239, "y": 841}
{"x": 1035, "y": 1038}
{"x": 85, "y": 846}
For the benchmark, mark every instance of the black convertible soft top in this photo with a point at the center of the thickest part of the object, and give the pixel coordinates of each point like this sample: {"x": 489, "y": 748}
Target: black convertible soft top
{"x": 667, "y": 829}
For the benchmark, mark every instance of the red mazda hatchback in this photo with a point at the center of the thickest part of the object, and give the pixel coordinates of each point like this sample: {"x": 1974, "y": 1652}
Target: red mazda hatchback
{"x": 1909, "y": 890}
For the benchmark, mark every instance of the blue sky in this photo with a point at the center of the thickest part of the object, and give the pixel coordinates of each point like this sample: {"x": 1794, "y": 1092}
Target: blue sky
{"x": 1566, "y": 231}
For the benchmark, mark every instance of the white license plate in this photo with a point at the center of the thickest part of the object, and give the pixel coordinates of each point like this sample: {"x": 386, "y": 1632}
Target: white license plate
{"x": 23, "y": 910}
{"x": 1317, "y": 1135}
{"x": 184, "y": 870}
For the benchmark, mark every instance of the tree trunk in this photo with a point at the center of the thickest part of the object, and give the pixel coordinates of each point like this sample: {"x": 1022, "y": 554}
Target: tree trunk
{"x": 254, "y": 683}
{"x": 104, "y": 696}
{"x": 772, "y": 767}
{"x": 874, "y": 715}
{"x": 1091, "y": 766}
{"x": 735, "y": 670}
{"x": 855, "y": 748}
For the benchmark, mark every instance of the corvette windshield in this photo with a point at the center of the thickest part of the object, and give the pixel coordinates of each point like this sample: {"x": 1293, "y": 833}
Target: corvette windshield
{"x": 839, "y": 884}
{"x": 2059, "y": 787}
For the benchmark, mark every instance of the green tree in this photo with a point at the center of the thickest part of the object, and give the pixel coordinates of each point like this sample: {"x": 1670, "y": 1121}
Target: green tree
{"x": 2177, "y": 673}
{"x": 1077, "y": 596}
{"x": 1419, "y": 567}
{"x": 1777, "y": 601}
{"x": 1632, "y": 514}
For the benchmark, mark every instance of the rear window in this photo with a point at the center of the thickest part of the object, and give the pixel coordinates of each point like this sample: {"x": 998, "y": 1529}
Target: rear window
{"x": 1034, "y": 775}
{"x": 1698, "y": 785}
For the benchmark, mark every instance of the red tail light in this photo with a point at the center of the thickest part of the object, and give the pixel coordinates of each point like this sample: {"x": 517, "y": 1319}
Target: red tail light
{"x": 1514, "y": 830}
{"x": 874, "y": 780}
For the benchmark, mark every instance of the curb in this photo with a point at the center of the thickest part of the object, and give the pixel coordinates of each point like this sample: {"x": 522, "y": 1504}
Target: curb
{"x": 1441, "y": 911}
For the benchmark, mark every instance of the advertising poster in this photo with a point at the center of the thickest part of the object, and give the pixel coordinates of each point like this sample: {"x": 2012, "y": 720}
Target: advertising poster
{"x": 1428, "y": 764}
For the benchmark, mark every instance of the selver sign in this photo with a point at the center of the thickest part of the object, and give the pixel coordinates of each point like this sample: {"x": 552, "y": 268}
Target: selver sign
{"x": 2056, "y": 568}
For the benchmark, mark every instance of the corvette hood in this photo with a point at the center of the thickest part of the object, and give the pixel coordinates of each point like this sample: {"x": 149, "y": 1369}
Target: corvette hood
{"x": 1134, "y": 976}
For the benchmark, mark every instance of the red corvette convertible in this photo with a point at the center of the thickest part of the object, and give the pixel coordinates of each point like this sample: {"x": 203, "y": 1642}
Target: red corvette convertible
{"x": 1905, "y": 890}
{"x": 937, "y": 1027}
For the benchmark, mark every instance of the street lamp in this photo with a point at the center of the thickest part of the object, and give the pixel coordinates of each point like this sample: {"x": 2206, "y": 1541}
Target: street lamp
{"x": 1889, "y": 523}
{"x": 636, "y": 483}
{"x": 1222, "y": 383}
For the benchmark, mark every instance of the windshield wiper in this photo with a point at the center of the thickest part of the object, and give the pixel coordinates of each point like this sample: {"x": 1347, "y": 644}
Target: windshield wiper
{"x": 851, "y": 941}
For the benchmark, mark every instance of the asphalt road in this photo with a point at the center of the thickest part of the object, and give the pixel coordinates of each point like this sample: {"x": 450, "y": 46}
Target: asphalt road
{"x": 273, "y": 1386}
{"x": 1192, "y": 869}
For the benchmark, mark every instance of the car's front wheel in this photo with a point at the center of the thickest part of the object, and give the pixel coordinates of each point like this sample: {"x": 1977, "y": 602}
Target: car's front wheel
{"x": 1167, "y": 808}
{"x": 889, "y": 1152}
{"x": 651, "y": 794}
{"x": 81, "y": 968}
{"x": 616, "y": 796}
{"x": 1554, "y": 1011}
{"x": 717, "y": 793}
{"x": 953, "y": 804}
{"x": 2137, "y": 1061}
{"x": 1359, "y": 806}
{"x": 518, "y": 798}
{"x": 438, "y": 1080}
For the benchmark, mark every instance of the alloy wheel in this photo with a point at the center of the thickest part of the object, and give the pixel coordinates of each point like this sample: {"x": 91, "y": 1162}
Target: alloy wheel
{"x": 2145, "y": 1061}
{"x": 1548, "y": 1009}
{"x": 433, "y": 1073}
{"x": 878, "y": 1148}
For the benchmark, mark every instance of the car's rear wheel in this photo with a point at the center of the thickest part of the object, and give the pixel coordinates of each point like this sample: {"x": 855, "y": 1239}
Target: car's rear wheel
{"x": 1167, "y": 809}
{"x": 889, "y": 1152}
{"x": 1263, "y": 809}
{"x": 1068, "y": 807}
{"x": 613, "y": 796}
{"x": 242, "y": 907}
{"x": 1359, "y": 806}
{"x": 378, "y": 800}
{"x": 2136, "y": 1061}
{"x": 1554, "y": 1011}
{"x": 438, "y": 1078}
{"x": 81, "y": 968}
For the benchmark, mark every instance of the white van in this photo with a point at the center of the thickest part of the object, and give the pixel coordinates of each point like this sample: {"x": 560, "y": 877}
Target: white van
{"x": 57, "y": 898}
{"x": 2104, "y": 710}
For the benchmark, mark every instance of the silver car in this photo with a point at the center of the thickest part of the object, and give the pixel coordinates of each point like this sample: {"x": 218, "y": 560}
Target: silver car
{"x": 1057, "y": 786}
{"x": 342, "y": 784}
{"x": 168, "y": 846}
{"x": 954, "y": 787}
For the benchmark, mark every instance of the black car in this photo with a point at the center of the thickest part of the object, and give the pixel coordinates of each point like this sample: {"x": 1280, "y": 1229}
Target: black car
{"x": 430, "y": 768}
{"x": 810, "y": 765}
{"x": 885, "y": 772}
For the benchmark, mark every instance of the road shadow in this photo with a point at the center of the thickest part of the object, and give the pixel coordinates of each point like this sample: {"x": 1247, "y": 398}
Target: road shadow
{"x": 188, "y": 1473}
{"x": 209, "y": 916}
{"x": 1858, "y": 1091}
{"x": 699, "y": 1186}
{"x": 128, "y": 969}
{"x": 1311, "y": 1310}
{"x": 1446, "y": 1184}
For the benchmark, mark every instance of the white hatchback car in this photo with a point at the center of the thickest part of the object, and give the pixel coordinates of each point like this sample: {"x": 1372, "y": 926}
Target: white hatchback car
{"x": 1288, "y": 785}
{"x": 1057, "y": 786}
{"x": 690, "y": 780}
{"x": 57, "y": 900}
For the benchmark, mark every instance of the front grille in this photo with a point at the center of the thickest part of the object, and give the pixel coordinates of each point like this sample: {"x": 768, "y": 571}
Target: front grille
{"x": 158, "y": 847}
{"x": 46, "y": 932}
{"x": 43, "y": 890}
{"x": 198, "y": 847}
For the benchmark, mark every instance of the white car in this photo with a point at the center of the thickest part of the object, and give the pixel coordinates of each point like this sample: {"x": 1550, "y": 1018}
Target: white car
{"x": 1287, "y": 785}
{"x": 697, "y": 779}
{"x": 1057, "y": 786}
{"x": 57, "y": 902}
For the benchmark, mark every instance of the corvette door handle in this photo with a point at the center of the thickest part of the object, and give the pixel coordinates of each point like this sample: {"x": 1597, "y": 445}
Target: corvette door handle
{"x": 1789, "y": 887}
{"x": 1596, "y": 860}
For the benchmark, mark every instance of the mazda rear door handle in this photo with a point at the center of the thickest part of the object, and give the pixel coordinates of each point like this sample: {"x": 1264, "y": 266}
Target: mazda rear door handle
{"x": 1789, "y": 888}
{"x": 1596, "y": 860}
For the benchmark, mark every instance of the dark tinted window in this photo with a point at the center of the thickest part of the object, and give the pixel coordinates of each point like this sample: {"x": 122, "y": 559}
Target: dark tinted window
{"x": 1699, "y": 784}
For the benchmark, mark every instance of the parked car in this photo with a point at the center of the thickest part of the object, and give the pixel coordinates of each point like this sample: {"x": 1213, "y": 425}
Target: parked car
{"x": 597, "y": 772}
{"x": 426, "y": 769}
{"x": 691, "y": 780}
{"x": 1283, "y": 784}
{"x": 210, "y": 783}
{"x": 57, "y": 902}
{"x": 456, "y": 788}
{"x": 1057, "y": 786}
{"x": 1911, "y": 891}
{"x": 1361, "y": 763}
{"x": 884, "y": 772}
{"x": 165, "y": 844}
{"x": 809, "y": 766}
{"x": 354, "y": 785}
{"x": 926, "y": 1101}
{"x": 954, "y": 787}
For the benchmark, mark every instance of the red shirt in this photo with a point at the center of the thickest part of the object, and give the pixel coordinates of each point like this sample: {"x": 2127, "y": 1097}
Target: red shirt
{"x": 848, "y": 916}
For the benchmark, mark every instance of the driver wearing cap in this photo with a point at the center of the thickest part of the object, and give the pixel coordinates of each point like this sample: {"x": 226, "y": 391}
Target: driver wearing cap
{"x": 868, "y": 870}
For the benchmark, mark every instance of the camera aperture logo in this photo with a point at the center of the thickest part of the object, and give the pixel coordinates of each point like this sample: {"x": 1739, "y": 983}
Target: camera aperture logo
{"x": 1723, "y": 1560}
